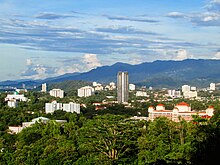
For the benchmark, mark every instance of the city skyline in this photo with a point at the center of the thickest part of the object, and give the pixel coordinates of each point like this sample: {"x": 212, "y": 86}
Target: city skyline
{"x": 41, "y": 39}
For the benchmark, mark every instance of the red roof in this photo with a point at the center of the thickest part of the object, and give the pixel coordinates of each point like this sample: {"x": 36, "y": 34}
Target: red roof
{"x": 206, "y": 117}
{"x": 183, "y": 104}
{"x": 211, "y": 106}
{"x": 151, "y": 107}
{"x": 160, "y": 105}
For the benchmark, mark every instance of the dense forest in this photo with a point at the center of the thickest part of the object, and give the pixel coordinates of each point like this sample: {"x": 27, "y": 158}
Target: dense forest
{"x": 105, "y": 137}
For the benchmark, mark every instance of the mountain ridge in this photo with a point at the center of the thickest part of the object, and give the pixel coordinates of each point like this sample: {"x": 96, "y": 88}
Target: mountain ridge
{"x": 175, "y": 73}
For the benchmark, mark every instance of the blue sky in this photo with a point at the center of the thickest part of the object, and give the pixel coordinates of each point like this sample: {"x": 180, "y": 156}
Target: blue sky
{"x": 40, "y": 39}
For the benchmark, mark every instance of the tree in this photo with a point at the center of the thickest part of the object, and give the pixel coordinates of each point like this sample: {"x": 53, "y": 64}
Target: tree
{"x": 165, "y": 142}
{"x": 109, "y": 138}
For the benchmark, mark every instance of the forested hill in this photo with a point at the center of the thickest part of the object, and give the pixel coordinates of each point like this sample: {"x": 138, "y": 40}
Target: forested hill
{"x": 198, "y": 72}
{"x": 158, "y": 73}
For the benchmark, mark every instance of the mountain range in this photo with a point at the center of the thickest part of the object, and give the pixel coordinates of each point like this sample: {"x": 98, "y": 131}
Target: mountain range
{"x": 198, "y": 72}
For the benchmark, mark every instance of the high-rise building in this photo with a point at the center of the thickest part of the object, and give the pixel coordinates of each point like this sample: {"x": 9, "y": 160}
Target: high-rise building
{"x": 57, "y": 93}
{"x": 68, "y": 107}
{"x": 51, "y": 107}
{"x": 122, "y": 87}
{"x": 71, "y": 107}
{"x": 212, "y": 86}
{"x": 44, "y": 87}
{"x": 86, "y": 91}
{"x": 185, "y": 88}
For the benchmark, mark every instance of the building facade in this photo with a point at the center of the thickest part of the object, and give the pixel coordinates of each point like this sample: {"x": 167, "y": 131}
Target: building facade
{"x": 15, "y": 96}
{"x": 57, "y": 93}
{"x": 131, "y": 87}
{"x": 44, "y": 87}
{"x": 141, "y": 94}
{"x": 122, "y": 87}
{"x": 72, "y": 107}
{"x": 12, "y": 103}
{"x": 68, "y": 107}
{"x": 181, "y": 110}
{"x": 86, "y": 91}
{"x": 17, "y": 129}
{"x": 212, "y": 86}
{"x": 53, "y": 106}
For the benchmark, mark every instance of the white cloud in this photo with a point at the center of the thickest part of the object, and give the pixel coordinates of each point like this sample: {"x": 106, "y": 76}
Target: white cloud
{"x": 68, "y": 69}
{"x": 213, "y": 5}
{"x": 217, "y": 55}
{"x": 91, "y": 61}
{"x": 182, "y": 54}
{"x": 37, "y": 71}
{"x": 209, "y": 17}
{"x": 175, "y": 15}
{"x": 28, "y": 61}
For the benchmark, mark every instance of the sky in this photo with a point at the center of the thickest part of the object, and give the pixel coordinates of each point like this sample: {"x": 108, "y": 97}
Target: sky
{"x": 47, "y": 38}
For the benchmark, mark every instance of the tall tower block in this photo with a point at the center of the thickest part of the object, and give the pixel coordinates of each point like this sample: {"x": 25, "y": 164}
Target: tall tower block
{"x": 122, "y": 87}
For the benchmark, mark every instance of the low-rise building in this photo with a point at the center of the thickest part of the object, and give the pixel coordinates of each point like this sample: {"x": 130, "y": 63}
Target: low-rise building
{"x": 174, "y": 93}
{"x": 21, "y": 90}
{"x": 17, "y": 129}
{"x": 16, "y": 97}
{"x": 190, "y": 94}
{"x": 111, "y": 86}
{"x": 99, "y": 88}
{"x": 141, "y": 94}
{"x": 131, "y": 87}
{"x": 182, "y": 110}
{"x": 12, "y": 103}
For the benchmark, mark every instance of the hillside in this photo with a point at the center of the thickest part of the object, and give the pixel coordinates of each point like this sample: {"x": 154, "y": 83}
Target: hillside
{"x": 198, "y": 72}
{"x": 158, "y": 73}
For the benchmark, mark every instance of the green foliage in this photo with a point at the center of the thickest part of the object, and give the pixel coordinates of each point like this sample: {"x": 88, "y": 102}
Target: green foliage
{"x": 109, "y": 138}
{"x": 106, "y": 136}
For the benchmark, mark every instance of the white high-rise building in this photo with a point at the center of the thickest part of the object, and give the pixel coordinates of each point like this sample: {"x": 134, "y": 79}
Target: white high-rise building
{"x": 51, "y": 107}
{"x": 131, "y": 87}
{"x": 122, "y": 87}
{"x": 44, "y": 87}
{"x": 171, "y": 93}
{"x": 94, "y": 84}
{"x": 71, "y": 107}
{"x": 57, "y": 93}
{"x": 185, "y": 88}
{"x": 212, "y": 86}
{"x": 86, "y": 91}
{"x": 189, "y": 92}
